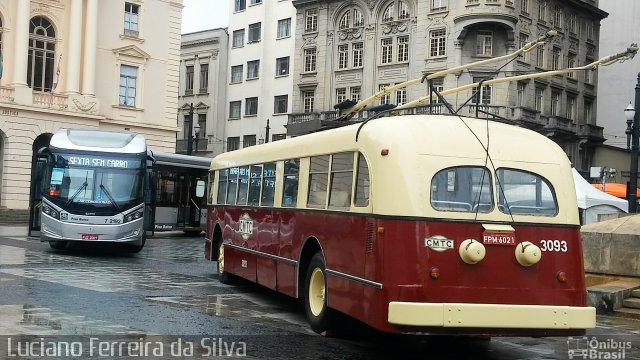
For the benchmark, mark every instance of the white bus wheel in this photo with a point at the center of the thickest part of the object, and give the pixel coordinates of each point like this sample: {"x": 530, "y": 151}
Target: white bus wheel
{"x": 320, "y": 317}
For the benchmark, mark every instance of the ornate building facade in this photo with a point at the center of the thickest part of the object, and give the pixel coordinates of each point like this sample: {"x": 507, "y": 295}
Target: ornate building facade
{"x": 352, "y": 49}
{"x": 83, "y": 64}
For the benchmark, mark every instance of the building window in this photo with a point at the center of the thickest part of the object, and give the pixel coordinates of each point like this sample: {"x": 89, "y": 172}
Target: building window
{"x": 204, "y": 78}
{"x": 351, "y": 18}
{"x": 588, "y": 75}
{"x": 588, "y": 112}
{"x": 41, "y": 56}
{"x": 401, "y": 96}
{"x": 387, "y": 51}
{"x": 276, "y": 137}
{"x": 251, "y": 106}
{"x": 397, "y": 10}
{"x": 357, "y": 54}
{"x": 311, "y": 20}
{"x": 539, "y": 98}
{"x": 556, "y": 59}
{"x": 438, "y": 85}
{"x": 188, "y": 85}
{"x": 202, "y": 122}
{"x": 284, "y": 28}
{"x": 253, "y": 69}
{"x": 555, "y": 103}
{"x": 558, "y": 16}
{"x": 310, "y": 60}
{"x": 590, "y": 30}
{"x": 484, "y": 45}
{"x": 386, "y": 98}
{"x": 571, "y": 107}
{"x": 234, "y": 109}
{"x": 438, "y": 42}
{"x": 524, "y": 6}
{"x": 238, "y": 38}
{"x": 403, "y": 48}
{"x": 542, "y": 10}
{"x": 248, "y": 140}
{"x": 233, "y": 143}
{"x": 343, "y": 56}
{"x": 524, "y": 39}
{"x": 255, "y": 2}
{"x": 254, "y": 32}
{"x": 571, "y": 62}
{"x": 341, "y": 95}
{"x": 573, "y": 23}
{"x": 485, "y": 93}
{"x": 236, "y": 74}
{"x": 240, "y": 5}
{"x": 282, "y": 66}
{"x": 540, "y": 57}
{"x": 438, "y": 5}
{"x": 280, "y": 104}
{"x": 522, "y": 87}
{"x": 308, "y": 100}
{"x": 131, "y": 19}
{"x": 128, "y": 77}
{"x": 355, "y": 93}
{"x": 389, "y": 12}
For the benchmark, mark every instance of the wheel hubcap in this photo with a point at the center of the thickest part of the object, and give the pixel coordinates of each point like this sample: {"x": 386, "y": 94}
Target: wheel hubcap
{"x": 316, "y": 291}
{"x": 221, "y": 259}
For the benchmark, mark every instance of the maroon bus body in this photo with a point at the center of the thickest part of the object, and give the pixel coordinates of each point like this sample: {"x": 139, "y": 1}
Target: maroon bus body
{"x": 391, "y": 252}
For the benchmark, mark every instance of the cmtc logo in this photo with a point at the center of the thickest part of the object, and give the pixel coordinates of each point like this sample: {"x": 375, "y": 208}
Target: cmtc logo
{"x": 245, "y": 226}
{"x": 439, "y": 243}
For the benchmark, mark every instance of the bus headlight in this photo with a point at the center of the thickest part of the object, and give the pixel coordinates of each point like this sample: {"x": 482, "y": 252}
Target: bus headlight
{"x": 527, "y": 253}
{"x": 472, "y": 251}
{"x": 133, "y": 216}
{"x": 50, "y": 211}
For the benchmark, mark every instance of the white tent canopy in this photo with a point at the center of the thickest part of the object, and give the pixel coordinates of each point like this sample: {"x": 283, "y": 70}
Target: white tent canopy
{"x": 594, "y": 202}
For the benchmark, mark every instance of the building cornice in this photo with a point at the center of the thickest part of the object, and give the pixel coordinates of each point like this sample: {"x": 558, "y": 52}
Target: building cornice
{"x": 589, "y": 7}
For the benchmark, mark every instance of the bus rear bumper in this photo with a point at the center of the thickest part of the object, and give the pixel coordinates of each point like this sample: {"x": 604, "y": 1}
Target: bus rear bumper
{"x": 460, "y": 315}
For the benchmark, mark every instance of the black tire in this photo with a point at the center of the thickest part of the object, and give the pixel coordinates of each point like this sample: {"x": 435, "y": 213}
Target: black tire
{"x": 58, "y": 245}
{"x": 223, "y": 276}
{"x": 192, "y": 232}
{"x": 320, "y": 317}
{"x": 136, "y": 248}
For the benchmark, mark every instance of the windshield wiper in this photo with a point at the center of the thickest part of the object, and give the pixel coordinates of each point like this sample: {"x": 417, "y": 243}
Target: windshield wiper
{"x": 82, "y": 187}
{"x": 106, "y": 192}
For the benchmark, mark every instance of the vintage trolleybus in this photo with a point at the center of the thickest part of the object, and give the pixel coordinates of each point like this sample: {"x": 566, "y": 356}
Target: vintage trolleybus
{"x": 424, "y": 224}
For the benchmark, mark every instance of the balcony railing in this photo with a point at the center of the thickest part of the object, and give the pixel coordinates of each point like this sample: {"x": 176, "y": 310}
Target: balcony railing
{"x": 50, "y": 100}
{"x": 562, "y": 124}
{"x": 6, "y": 94}
{"x": 591, "y": 131}
{"x": 182, "y": 144}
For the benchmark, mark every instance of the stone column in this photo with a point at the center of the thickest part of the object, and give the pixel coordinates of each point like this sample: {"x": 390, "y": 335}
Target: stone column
{"x": 75, "y": 46}
{"x": 22, "y": 43}
{"x": 90, "y": 49}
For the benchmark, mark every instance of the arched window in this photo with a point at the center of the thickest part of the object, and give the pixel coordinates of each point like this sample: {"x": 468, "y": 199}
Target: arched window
{"x": 351, "y": 18}
{"x": 41, "y": 57}
{"x": 396, "y": 10}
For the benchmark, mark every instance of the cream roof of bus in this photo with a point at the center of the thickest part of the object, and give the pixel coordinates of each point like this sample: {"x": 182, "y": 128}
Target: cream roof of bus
{"x": 421, "y": 145}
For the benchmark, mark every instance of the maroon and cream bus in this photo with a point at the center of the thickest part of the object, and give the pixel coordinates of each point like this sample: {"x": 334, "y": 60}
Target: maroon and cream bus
{"x": 413, "y": 227}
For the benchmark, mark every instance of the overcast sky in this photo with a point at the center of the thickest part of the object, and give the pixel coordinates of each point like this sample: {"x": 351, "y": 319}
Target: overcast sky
{"x": 204, "y": 14}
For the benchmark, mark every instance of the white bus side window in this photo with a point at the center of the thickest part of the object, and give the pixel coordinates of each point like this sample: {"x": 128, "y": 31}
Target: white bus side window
{"x": 268, "y": 184}
{"x": 290, "y": 190}
{"x": 362, "y": 182}
{"x": 318, "y": 174}
{"x": 255, "y": 184}
{"x": 232, "y": 186}
{"x": 222, "y": 186}
{"x": 341, "y": 181}
{"x": 463, "y": 189}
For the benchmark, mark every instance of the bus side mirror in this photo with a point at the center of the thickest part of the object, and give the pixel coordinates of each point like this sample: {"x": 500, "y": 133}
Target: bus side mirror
{"x": 200, "y": 188}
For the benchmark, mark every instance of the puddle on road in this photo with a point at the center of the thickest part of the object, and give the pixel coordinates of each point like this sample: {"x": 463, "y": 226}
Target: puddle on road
{"x": 28, "y": 319}
{"x": 112, "y": 278}
{"x": 11, "y": 255}
{"x": 243, "y": 307}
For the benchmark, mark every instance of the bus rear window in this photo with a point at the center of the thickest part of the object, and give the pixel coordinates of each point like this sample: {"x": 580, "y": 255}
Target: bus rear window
{"x": 525, "y": 193}
{"x": 463, "y": 189}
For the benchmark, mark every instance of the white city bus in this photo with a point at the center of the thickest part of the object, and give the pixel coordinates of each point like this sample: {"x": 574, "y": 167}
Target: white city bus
{"x": 95, "y": 186}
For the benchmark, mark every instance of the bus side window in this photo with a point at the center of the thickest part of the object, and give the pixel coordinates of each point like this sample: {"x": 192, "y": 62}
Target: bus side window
{"x": 255, "y": 184}
{"x": 341, "y": 181}
{"x": 268, "y": 184}
{"x": 232, "y": 186}
{"x": 243, "y": 186}
{"x": 222, "y": 186}
{"x": 318, "y": 176}
{"x": 290, "y": 190}
{"x": 362, "y": 182}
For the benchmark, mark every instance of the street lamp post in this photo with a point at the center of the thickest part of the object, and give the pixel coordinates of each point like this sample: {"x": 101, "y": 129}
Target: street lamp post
{"x": 633, "y": 131}
{"x": 190, "y": 131}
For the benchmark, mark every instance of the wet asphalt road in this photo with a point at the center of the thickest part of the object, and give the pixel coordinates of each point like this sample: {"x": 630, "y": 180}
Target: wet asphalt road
{"x": 167, "y": 296}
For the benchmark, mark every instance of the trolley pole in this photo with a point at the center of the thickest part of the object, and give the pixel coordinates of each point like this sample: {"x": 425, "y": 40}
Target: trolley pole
{"x": 266, "y": 135}
{"x": 190, "y": 131}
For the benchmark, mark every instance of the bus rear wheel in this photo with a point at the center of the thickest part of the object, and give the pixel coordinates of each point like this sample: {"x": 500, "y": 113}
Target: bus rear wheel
{"x": 58, "y": 245}
{"x": 320, "y": 317}
{"x": 223, "y": 276}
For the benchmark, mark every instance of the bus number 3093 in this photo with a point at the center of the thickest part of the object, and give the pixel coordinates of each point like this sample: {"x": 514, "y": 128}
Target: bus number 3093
{"x": 553, "y": 245}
